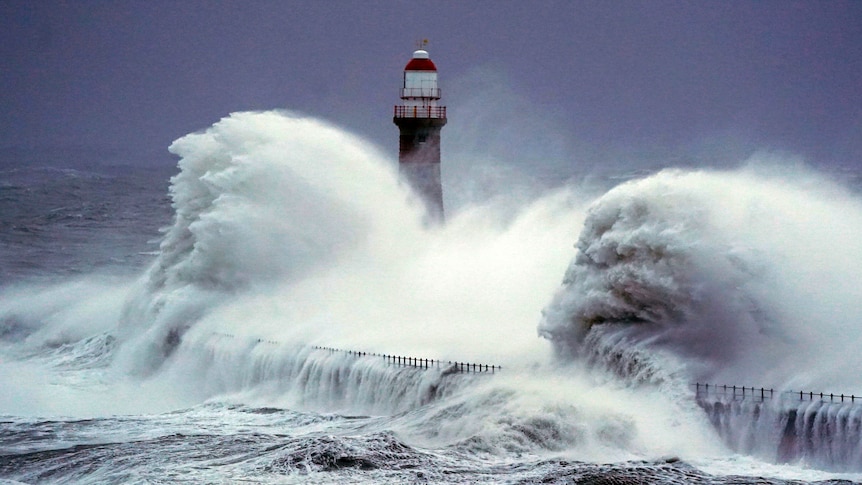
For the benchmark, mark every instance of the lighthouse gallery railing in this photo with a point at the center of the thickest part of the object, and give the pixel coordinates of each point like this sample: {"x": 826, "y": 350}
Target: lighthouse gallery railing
{"x": 420, "y": 112}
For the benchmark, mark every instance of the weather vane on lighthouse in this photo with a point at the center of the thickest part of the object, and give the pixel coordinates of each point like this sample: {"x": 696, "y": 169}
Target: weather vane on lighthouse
{"x": 420, "y": 119}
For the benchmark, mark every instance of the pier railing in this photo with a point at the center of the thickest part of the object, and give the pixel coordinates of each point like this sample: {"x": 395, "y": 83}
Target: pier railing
{"x": 732, "y": 392}
{"x": 738, "y": 393}
{"x": 397, "y": 360}
{"x": 420, "y": 363}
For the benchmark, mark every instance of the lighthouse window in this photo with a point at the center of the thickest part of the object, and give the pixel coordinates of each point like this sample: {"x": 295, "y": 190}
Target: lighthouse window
{"x": 421, "y": 137}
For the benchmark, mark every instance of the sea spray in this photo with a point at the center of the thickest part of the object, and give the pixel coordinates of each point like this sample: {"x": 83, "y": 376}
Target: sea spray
{"x": 745, "y": 275}
{"x": 260, "y": 198}
{"x": 469, "y": 291}
{"x": 285, "y": 223}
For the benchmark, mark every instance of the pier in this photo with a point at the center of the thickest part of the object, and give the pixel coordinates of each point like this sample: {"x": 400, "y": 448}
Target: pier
{"x": 702, "y": 391}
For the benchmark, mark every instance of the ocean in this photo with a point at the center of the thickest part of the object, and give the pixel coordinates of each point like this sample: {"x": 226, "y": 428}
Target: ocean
{"x": 273, "y": 309}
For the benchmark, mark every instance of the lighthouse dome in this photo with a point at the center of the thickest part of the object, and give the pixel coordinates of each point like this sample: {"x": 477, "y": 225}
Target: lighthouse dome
{"x": 420, "y": 62}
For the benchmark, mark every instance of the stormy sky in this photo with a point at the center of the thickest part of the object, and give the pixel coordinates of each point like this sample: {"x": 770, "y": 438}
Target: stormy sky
{"x": 543, "y": 82}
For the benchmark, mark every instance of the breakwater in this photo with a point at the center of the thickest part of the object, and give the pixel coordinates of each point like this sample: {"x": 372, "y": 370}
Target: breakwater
{"x": 816, "y": 428}
{"x": 819, "y": 429}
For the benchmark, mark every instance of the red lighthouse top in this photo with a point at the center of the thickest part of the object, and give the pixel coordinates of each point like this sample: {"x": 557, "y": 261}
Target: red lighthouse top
{"x": 420, "y": 62}
{"x": 419, "y": 92}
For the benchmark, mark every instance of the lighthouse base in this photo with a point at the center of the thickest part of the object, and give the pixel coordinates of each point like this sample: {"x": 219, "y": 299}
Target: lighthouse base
{"x": 424, "y": 179}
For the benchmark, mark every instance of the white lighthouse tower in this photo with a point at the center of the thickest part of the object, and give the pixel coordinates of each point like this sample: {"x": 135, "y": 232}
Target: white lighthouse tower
{"x": 420, "y": 119}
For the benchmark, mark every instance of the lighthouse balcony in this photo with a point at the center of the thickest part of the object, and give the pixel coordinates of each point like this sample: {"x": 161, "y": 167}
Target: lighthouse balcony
{"x": 420, "y": 112}
{"x": 432, "y": 93}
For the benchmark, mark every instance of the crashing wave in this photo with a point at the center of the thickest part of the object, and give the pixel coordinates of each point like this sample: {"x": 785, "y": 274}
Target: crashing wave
{"x": 727, "y": 270}
{"x": 247, "y": 188}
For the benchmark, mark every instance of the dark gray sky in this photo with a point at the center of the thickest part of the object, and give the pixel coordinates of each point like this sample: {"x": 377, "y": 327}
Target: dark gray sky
{"x": 594, "y": 79}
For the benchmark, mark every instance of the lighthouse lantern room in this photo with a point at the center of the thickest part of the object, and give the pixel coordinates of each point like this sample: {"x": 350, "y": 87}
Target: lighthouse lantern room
{"x": 419, "y": 119}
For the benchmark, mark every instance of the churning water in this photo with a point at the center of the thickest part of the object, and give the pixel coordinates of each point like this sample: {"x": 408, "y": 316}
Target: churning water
{"x": 199, "y": 355}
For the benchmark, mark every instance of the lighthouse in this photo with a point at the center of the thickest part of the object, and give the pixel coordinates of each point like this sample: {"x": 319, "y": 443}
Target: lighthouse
{"x": 420, "y": 118}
